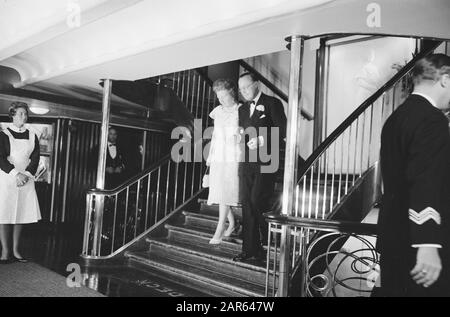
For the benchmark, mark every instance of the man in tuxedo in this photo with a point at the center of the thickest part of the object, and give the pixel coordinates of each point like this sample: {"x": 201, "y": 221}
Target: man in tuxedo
{"x": 263, "y": 128}
{"x": 115, "y": 165}
{"x": 414, "y": 222}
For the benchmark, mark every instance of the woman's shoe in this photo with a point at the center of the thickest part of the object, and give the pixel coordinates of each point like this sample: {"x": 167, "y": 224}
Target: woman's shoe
{"x": 20, "y": 260}
{"x": 7, "y": 261}
{"x": 215, "y": 241}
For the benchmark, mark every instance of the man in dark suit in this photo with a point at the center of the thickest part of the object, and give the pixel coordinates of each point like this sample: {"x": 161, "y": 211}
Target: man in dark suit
{"x": 263, "y": 130}
{"x": 414, "y": 223}
{"x": 115, "y": 163}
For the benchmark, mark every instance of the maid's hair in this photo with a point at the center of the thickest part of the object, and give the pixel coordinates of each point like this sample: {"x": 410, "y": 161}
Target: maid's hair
{"x": 18, "y": 105}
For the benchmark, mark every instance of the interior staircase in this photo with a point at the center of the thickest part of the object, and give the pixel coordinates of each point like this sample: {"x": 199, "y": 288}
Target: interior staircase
{"x": 184, "y": 254}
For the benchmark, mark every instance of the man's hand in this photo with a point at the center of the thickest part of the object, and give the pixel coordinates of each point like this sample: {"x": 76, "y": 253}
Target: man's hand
{"x": 254, "y": 143}
{"x": 21, "y": 179}
{"x": 428, "y": 267}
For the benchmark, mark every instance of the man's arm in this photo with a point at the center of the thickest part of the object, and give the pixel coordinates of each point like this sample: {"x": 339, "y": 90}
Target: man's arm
{"x": 279, "y": 117}
{"x": 426, "y": 171}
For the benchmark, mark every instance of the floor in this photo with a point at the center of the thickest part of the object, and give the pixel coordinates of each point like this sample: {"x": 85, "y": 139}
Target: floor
{"x": 57, "y": 247}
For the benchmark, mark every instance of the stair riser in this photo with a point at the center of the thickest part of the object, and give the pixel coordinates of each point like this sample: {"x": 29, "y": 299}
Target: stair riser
{"x": 192, "y": 281}
{"x": 211, "y": 264}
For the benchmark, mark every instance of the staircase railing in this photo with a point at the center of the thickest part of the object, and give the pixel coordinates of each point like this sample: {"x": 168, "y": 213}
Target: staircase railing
{"x": 336, "y": 166}
{"x": 115, "y": 219}
{"x": 329, "y": 267}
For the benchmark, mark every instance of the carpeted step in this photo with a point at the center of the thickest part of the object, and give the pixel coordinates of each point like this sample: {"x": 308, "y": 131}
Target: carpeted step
{"x": 201, "y": 236}
{"x": 213, "y": 282}
{"x": 209, "y": 258}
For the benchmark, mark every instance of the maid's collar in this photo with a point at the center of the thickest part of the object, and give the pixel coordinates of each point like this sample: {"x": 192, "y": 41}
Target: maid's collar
{"x": 16, "y": 129}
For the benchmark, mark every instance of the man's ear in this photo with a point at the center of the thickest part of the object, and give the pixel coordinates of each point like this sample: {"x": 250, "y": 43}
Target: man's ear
{"x": 445, "y": 81}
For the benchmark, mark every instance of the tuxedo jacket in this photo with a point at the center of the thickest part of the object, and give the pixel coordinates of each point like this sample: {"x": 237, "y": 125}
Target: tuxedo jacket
{"x": 415, "y": 164}
{"x": 118, "y": 161}
{"x": 269, "y": 113}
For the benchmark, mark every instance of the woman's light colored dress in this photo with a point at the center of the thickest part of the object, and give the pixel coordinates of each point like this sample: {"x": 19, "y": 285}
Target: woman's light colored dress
{"x": 18, "y": 205}
{"x": 225, "y": 155}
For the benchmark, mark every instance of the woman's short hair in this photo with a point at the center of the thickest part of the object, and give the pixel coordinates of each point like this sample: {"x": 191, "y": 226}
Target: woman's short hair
{"x": 431, "y": 68}
{"x": 228, "y": 85}
{"x": 16, "y": 106}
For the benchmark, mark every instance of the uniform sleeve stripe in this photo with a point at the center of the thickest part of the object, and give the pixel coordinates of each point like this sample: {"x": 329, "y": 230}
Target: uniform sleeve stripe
{"x": 424, "y": 216}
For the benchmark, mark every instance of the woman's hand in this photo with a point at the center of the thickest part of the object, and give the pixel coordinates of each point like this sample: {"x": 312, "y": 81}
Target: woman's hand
{"x": 21, "y": 179}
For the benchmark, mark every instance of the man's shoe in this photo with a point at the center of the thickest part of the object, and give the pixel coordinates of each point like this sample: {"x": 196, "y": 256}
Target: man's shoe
{"x": 242, "y": 257}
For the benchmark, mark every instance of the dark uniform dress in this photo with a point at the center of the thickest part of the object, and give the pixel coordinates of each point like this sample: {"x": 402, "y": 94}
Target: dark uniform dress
{"x": 256, "y": 187}
{"x": 415, "y": 163}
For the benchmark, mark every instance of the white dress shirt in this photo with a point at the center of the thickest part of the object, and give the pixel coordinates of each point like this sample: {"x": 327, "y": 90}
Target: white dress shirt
{"x": 254, "y": 103}
{"x": 112, "y": 148}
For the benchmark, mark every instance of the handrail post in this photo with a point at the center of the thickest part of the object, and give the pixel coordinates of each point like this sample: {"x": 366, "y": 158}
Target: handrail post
{"x": 101, "y": 168}
{"x": 290, "y": 169}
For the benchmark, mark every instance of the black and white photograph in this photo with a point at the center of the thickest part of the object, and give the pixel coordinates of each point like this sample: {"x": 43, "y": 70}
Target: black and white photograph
{"x": 225, "y": 156}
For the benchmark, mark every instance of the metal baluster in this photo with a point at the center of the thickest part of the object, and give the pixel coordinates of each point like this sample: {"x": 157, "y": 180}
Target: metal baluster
{"x": 138, "y": 192}
{"x": 157, "y": 195}
{"x": 348, "y": 158}
{"x": 316, "y": 211}
{"x": 325, "y": 191}
{"x": 269, "y": 244}
{"x": 209, "y": 107}
{"x": 275, "y": 263}
{"x": 114, "y": 223}
{"x": 304, "y": 196}
{"x": 173, "y": 81}
{"x": 356, "y": 150}
{"x": 87, "y": 225}
{"x": 193, "y": 170}
{"x": 203, "y": 104}
{"x": 342, "y": 167}
{"x": 126, "y": 216}
{"x": 176, "y": 182}
{"x": 167, "y": 188}
{"x": 198, "y": 95}
{"x": 178, "y": 84}
{"x": 297, "y": 198}
{"x": 333, "y": 178}
{"x": 147, "y": 202}
{"x": 193, "y": 95}
{"x": 362, "y": 143}
{"x": 370, "y": 135}
{"x": 310, "y": 198}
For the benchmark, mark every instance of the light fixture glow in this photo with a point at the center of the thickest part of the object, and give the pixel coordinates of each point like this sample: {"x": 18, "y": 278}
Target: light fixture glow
{"x": 39, "y": 109}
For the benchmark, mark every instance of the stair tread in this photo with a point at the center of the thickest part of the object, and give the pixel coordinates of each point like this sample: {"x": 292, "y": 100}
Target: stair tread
{"x": 204, "y": 232}
{"x": 211, "y": 252}
{"x": 190, "y": 270}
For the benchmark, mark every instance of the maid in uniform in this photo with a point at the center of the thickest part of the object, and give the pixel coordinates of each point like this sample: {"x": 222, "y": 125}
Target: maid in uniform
{"x": 19, "y": 160}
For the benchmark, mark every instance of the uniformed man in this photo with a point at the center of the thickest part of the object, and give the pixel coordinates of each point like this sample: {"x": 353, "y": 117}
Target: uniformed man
{"x": 414, "y": 222}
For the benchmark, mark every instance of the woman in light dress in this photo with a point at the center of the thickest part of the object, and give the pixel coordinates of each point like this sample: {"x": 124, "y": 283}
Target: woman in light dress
{"x": 225, "y": 155}
{"x": 19, "y": 160}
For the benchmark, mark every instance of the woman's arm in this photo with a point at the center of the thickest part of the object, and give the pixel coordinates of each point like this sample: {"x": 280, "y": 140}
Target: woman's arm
{"x": 34, "y": 158}
{"x": 5, "y": 165}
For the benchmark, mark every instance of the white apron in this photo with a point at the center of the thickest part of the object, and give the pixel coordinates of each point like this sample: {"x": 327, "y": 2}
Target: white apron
{"x": 18, "y": 205}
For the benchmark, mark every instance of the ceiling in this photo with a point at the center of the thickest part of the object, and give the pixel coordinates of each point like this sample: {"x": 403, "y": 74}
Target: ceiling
{"x": 66, "y": 47}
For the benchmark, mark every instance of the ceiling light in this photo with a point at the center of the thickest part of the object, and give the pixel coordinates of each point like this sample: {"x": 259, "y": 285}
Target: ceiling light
{"x": 39, "y": 109}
